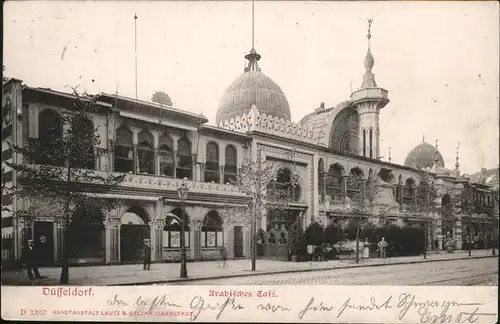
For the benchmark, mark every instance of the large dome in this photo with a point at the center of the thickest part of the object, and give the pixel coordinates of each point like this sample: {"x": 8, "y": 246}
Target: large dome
{"x": 424, "y": 156}
{"x": 249, "y": 88}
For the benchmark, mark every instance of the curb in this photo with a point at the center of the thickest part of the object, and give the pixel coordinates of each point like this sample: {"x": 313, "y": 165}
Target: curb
{"x": 251, "y": 274}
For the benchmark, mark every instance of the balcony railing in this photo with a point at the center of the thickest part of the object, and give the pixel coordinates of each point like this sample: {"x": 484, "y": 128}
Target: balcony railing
{"x": 152, "y": 182}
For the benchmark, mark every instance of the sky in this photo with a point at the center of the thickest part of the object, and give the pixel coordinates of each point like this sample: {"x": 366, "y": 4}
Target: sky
{"x": 439, "y": 61}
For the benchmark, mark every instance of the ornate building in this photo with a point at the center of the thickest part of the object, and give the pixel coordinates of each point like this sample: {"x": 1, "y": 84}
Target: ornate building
{"x": 157, "y": 146}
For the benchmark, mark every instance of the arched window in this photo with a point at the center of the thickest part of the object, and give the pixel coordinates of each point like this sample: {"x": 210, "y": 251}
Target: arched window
{"x": 398, "y": 188}
{"x": 172, "y": 230}
{"x": 445, "y": 200}
{"x": 371, "y": 143}
{"x": 284, "y": 183}
{"x": 334, "y": 180}
{"x": 386, "y": 175}
{"x": 357, "y": 172}
{"x": 135, "y": 215}
{"x": 354, "y": 186}
{"x": 165, "y": 151}
{"x": 408, "y": 191}
{"x": 82, "y": 133}
{"x": 145, "y": 152}
{"x": 364, "y": 142}
{"x": 50, "y": 135}
{"x": 321, "y": 179}
{"x": 212, "y": 163}
{"x": 230, "y": 164}
{"x": 86, "y": 232}
{"x": 211, "y": 232}
{"x": 184, "y": 159}
{"x": 124, "y": 150}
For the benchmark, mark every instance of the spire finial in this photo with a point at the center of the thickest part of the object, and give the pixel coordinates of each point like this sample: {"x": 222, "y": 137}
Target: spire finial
{"x": 370, "y": 21}
{"x": 253, "y": 24}
{"x": 423, "y": 138}
{"x": 457, "y": 158}
{"x": 390, "y": 154}
{"x": 369, "y": 77}
{"x": 437, "y": 152}
{"x": 253, "y": 57}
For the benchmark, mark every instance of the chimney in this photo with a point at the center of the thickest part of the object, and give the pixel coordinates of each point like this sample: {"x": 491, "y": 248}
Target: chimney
{"x": 322, "y": 105}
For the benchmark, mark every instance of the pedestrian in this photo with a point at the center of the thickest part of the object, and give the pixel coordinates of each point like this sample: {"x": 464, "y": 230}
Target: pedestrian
{"x": 223, "y": 254}
{"x": 147, "y": 255}
{"x": 382, "y": 247}
{"x": 30, "y": 258}
{"x": 366, "y": 249}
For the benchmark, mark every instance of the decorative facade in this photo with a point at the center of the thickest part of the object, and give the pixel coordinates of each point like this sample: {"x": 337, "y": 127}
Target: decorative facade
{"x": 158, "y": 146}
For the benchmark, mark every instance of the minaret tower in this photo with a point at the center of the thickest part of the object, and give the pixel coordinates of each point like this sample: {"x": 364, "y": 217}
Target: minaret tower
{"x": 368, "y": 100}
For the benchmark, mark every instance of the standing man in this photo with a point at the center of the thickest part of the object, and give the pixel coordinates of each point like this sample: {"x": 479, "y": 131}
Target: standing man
{"x": 382, "y": 247}
{"x": 147, "y": 255}
{"x": 223, "y": 254}
{"x": 30, "y": 258}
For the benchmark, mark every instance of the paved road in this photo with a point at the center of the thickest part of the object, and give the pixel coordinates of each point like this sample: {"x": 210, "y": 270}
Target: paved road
{"x": 479, "y": 272}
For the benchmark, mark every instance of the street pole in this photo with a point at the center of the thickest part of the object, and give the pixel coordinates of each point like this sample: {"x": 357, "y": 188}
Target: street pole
{"x": 183, "y": 245}
{"x": 182, "y": 191}
{"x": 425, "y": 240}
{"x": 469, "y": 244}
{"x": 493, "y": 234}
{"x": 254, "y": 243}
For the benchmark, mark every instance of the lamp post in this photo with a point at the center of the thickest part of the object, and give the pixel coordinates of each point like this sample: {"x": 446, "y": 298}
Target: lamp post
{"x": 182, "y": 191}
{"x": 426, "y": 239}
{"x": 469, "y": 244}
{"x": 493, "y": 238}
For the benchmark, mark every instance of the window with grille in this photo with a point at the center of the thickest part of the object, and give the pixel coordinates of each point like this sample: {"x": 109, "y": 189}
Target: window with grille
{"x": 50, "y": 134}
{"x": 212, "y": 233}
{"x": 124, "y": 151}
{"x": 172, "y": 230}
{"x": 184, "y": 160}
{"x": 230, "y": 164}
{"x": 212, "y": 163}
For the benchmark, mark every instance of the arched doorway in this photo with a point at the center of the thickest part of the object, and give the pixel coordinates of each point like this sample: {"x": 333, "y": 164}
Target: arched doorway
{"x": 133, "y": 231}
{"x": 86, "y": 234}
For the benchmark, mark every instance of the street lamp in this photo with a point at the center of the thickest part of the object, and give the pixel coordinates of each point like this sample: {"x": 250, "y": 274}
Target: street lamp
{"x": 469, "y": 243}
{"x": 182, "y": 191}
{"x": 426, "y": 239}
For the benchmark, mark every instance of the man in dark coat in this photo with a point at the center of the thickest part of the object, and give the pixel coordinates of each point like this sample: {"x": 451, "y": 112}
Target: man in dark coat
{"x": 147, "y": 255}
{"x": 223, "y": 254}
{"x": 30, "y": 258}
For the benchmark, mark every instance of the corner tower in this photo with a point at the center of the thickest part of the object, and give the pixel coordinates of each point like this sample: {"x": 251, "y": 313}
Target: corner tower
{"x": 368, "y": 100}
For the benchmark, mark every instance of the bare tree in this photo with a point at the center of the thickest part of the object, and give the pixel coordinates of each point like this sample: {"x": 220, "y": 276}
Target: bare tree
{"x": 424, "y": 200}
{"x": 58, "y": 175}
{"x": 161, "y": 98}
{"x": 358, "y": 207}
{"x": 258, "y": 180}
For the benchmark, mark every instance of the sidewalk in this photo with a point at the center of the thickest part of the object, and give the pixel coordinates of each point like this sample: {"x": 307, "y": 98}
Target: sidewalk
{"x": 169, "y": 272}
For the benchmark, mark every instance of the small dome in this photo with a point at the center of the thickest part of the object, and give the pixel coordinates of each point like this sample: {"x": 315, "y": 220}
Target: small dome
{"x": 424, "y": 156}
{"x": 249, "y": 88}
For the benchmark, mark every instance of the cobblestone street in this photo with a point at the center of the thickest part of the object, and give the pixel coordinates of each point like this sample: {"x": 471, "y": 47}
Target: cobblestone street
{"x": 443, "y": 273}
{"x": 210, "y": 271}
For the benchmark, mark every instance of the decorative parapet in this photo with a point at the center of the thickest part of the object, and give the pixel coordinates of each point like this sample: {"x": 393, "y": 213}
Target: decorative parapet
{"x": 152, "y": 182}
{"x": 254, "y": 121}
